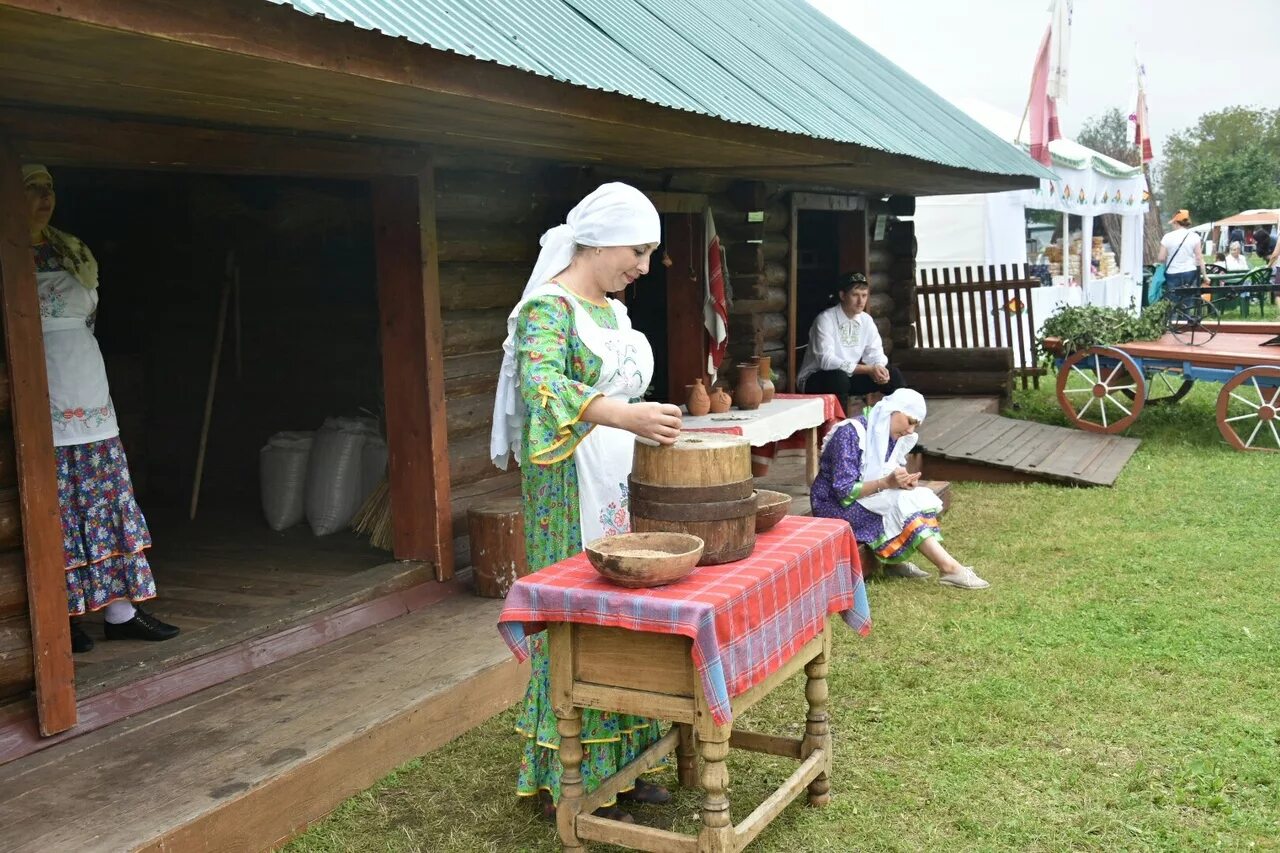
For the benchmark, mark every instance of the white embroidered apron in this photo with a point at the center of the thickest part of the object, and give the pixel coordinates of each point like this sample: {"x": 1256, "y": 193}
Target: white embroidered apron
{"x": 894, "y": 505}
{"x": 603, "y": 458}
{"x": 79, "y": 397}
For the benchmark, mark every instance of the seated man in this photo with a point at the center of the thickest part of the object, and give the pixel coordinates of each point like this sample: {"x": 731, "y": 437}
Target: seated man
{"x": 846, "y": 355}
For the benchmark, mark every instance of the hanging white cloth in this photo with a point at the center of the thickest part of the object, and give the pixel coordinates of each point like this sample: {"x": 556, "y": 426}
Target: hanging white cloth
{"x": 615, "y": 214}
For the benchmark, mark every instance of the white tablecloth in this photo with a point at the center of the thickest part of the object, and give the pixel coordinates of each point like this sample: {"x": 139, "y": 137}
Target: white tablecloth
{"x": 773, "y": 421}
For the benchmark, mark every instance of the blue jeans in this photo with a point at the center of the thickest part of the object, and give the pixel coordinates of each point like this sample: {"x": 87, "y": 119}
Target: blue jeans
{"x": 1174, "y": 281}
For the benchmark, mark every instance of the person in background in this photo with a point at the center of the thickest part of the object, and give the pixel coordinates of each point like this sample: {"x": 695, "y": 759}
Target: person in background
{"x": 863, "y": 480}
{"x": 1263, "y": 246}
{"x": 1235, "y": 261}
{"x": 1182, "y": 255}
{"x": 846, "y": 354}
{"x": 104, "y": 535}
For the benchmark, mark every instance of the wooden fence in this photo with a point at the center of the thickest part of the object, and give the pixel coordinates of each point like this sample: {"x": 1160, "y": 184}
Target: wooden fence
{"x": 980, "y": 307}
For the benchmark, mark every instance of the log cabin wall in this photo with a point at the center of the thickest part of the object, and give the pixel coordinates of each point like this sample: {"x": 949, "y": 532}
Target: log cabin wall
{"x": 489, "y": 216}
{"x": 16, "y": 673}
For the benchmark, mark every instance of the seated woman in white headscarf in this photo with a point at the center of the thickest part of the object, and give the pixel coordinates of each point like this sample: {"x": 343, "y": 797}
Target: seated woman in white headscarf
{"x": 568, "y": 410}
{"x": 862, "y": 478}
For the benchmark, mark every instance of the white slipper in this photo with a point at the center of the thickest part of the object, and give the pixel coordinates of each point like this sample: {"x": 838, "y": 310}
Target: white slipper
{"x": 963, "y": 579}
{"x": 905, "y": 570}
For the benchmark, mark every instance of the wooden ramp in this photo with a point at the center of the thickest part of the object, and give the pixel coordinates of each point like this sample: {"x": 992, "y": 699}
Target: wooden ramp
{"x": 965, "y": 440}
{"x": 247, "y": 764}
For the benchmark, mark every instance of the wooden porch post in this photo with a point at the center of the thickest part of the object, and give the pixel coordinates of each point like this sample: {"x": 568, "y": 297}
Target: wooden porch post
{"x": 404, "y": 223}
{"x": 854, "y": 242}
{"x": 686, "y": 339}
{"x": 33, "y": 437}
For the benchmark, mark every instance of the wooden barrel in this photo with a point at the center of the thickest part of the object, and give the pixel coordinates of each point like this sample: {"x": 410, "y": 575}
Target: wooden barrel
{"x": 701, "y": 485}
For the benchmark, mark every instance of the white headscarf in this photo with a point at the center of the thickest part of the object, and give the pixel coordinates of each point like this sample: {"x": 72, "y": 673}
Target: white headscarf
{"x": 876, "y": 447}
{"x": 615, "y": 214}
{"x": 75, "y": 255}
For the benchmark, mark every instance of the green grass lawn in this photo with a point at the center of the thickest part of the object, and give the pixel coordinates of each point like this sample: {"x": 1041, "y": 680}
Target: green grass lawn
{"x": 1118, "y": 687}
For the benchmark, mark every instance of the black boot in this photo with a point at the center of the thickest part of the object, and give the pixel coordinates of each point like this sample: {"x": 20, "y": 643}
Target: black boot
{"x": 80, "y": 641}
{"x": 143, "y": 626}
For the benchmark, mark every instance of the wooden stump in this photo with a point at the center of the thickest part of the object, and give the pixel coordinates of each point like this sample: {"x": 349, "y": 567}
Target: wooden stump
{"x": 497, "y": 546}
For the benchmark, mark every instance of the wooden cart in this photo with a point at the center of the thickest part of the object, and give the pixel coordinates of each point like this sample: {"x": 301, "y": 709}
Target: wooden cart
{"x": 1104, "y": 389}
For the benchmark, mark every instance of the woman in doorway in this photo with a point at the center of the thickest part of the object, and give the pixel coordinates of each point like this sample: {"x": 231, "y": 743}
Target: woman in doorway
{"x": 862, "y": 479}
{"x": 104, "y": 535}
{"x": 572, "y": 370}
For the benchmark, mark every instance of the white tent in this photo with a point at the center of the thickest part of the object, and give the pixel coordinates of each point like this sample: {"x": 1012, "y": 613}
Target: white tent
{"x": 987, "y": 229}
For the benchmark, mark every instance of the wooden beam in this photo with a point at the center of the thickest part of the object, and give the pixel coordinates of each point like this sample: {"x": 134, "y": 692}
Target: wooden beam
{"x": 670, "y": 202}
{"x": 69, "y": 138}
{"x": 413, "y": 368}
{"x": 33, "y": 437}
{"x": 793, "y": 232}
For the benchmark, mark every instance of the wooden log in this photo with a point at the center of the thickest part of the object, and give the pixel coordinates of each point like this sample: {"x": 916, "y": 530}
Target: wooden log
{"x": 882, "y": 326}
{"x": 746, "y": 257}
{"x": 880, "y": 303}
{"x": 13, "y": 583}
{"x": 4, "y": 392}
{"x": 469, "y": 459}
{"x": 474, "y": 241}
{"x": 774, "y": 216}
{"x": 701, "y": 485}
{"x": 474, "y": 331}
{"x": 960, "y": 359}
{"x": 774, "y": 301}
{"x": 902, "y": 205}
{"x": 880, "y": 259}
{"x": 746, "y": 327}
{"x": 496, "y": 529}
{"x": 471, "y": 373}
{"x": 901, "y": 239}
{"x": 477, "y": 285}
{"x": 775, "y": 274}
{"x": 484, "y": 196}
{"x": 904, "y": 313}
{"x": 749, "y": 195}
{"x": 469, "y": 413}
{"x": 955, "y": 383}
{"x": 16, "y": 659}
{"x": 902, "y": 269}
{"x": 776, "y": 248}
{"x": 903, "y": 336}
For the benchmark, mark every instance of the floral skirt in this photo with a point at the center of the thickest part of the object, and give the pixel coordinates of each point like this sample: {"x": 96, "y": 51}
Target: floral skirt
{"x": 609, "y": 741}
{"x": 103, "y": 531}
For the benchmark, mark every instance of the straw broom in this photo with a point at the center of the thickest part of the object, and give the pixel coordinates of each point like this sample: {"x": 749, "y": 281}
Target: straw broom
{"x": 374, "y": 517}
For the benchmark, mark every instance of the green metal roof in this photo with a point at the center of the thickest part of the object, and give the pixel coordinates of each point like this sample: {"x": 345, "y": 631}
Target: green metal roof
{"x": 775, "y": 64}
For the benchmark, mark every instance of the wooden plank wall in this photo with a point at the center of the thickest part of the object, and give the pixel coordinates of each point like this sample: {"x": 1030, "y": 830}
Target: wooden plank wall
{"x": 757, "y": 253}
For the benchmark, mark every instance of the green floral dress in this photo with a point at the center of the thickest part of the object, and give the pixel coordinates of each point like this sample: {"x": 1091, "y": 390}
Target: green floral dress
{"x": 556, "y": 374}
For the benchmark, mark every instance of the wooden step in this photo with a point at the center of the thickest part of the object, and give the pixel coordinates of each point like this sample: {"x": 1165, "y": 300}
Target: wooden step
{"x": 249, "y": 763}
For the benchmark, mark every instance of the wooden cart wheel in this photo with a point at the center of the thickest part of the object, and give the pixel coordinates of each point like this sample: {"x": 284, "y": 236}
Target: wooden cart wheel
{"x": 1194, "y": 321}
{"x": 1164, "y": 388}
{"x": 1091, "y": 386}
{"x": 1249, "y": 409}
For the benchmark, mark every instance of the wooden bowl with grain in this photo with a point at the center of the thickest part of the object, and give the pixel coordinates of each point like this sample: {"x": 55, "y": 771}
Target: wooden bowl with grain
{"x": 770, "y": 508}
{"x": 639, "y": 560}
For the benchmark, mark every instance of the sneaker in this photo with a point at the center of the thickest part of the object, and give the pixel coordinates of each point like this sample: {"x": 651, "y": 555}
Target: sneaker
{"x": 143, "y": 626}
{"x": 905, "y": 570}
{"x": 80, "y": 641}
{"x": 963, "y": 579}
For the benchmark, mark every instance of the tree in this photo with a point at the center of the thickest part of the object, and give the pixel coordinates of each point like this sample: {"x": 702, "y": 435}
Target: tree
{"x": 1247, "y": 179}
{"x": 1109, "y": 134}
{"x": 1217, "y": 138}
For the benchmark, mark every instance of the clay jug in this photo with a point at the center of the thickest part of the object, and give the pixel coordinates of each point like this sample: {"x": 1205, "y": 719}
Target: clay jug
{"x": 720, "y": 400}
{"x": 699, "y": 403}
{"x": 747, "y": 395}
{"x": 766, "y": 378}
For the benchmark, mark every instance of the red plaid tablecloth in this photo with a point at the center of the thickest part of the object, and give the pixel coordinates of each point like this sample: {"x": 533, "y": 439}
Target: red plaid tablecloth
{"x": 745, "y": 619}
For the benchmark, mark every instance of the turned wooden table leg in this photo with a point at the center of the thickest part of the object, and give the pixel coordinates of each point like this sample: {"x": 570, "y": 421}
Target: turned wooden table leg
{"x": 717, "y": 826}
{"x": 571, "y": 791}
{"x": 817, "y": 727}
{"x": 686, "y": 758}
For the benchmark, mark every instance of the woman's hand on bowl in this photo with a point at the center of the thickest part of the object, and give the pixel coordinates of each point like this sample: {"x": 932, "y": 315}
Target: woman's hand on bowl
{"x": 658, "y": 422}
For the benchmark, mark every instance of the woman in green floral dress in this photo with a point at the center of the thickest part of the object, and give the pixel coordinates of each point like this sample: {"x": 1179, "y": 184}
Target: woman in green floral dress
{"x": 566, "y": 405}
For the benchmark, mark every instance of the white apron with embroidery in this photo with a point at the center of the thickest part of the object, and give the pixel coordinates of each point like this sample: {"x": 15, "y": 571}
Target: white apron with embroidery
{"x": 79, "y": 398}
{"x": 895, "y": 506}
{"x": 603, "y": 458}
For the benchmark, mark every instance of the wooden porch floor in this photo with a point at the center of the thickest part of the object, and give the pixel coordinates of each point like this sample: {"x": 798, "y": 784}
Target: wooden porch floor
{"x": 248, "y": 763}
{"x": 227, "y": 577}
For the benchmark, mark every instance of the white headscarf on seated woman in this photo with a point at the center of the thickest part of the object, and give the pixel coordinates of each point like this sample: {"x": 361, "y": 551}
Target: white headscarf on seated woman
{"x": 615, "y": 214}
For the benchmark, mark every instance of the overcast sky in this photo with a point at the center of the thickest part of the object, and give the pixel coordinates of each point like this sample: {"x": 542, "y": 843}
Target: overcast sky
{"x": 984, "y": 50}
